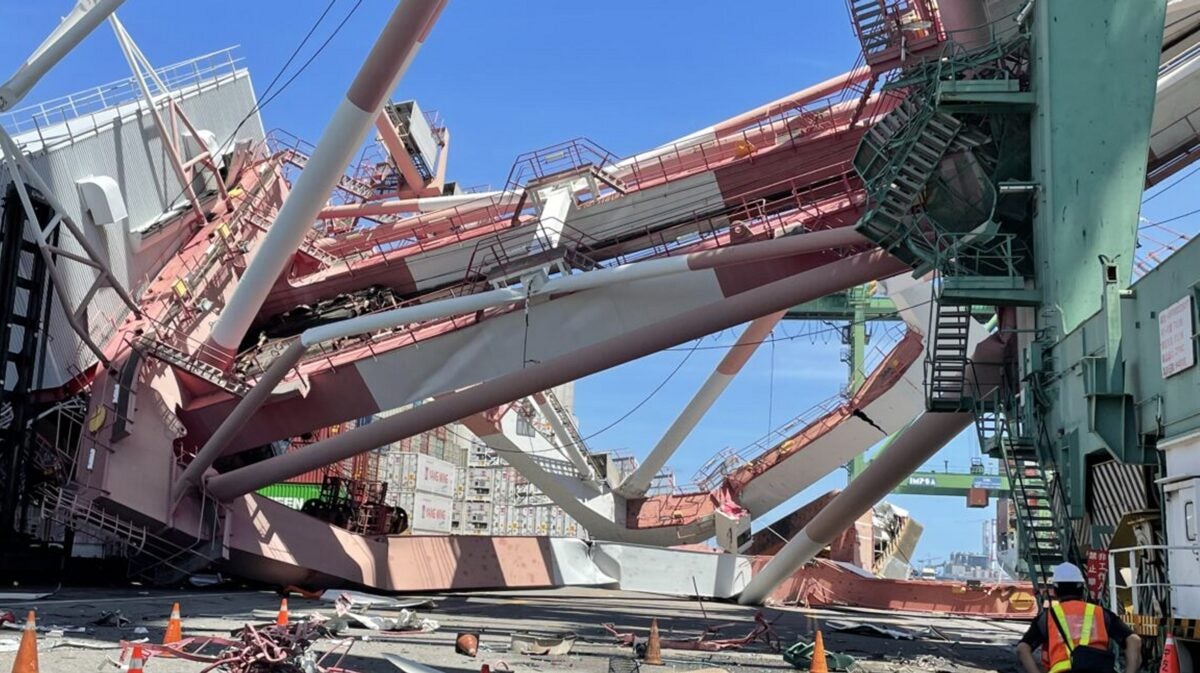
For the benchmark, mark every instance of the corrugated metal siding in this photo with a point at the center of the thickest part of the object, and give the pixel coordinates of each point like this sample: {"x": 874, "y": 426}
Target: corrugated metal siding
{"x": 131, "y": 152}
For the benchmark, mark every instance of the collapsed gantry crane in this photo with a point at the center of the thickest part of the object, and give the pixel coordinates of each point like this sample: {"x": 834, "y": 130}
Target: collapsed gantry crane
{"x": 280, "y": 312}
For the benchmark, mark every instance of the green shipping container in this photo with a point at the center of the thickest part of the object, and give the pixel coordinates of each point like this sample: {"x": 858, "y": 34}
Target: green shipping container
{"x": 291, "y": 495}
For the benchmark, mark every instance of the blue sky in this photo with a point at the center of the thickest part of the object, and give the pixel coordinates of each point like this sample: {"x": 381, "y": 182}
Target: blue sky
{"x": 513, "y": 77}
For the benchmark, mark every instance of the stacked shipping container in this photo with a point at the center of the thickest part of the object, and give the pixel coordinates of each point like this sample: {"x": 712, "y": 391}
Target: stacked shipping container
{"x": 449, "y": 483}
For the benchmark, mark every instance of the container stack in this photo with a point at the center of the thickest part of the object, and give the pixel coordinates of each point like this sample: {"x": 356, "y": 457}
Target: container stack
{"x": 450, "y": 483}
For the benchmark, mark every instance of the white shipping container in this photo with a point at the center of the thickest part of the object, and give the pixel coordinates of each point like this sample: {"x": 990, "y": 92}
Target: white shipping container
{"x": 431, "y": 514}
{"x": 404, "y": 501}
{"x": 479, "y": 484}
{"x": 400, "y": 471}
{"x": 435, "y": 476}
{"x": 529, "y": 521}
{"x": 500, "y": 519}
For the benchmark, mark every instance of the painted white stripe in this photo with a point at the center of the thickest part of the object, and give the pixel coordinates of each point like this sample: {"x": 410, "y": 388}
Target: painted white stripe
{"x": 342, "y": 138}
{"x": 800, "y": 550}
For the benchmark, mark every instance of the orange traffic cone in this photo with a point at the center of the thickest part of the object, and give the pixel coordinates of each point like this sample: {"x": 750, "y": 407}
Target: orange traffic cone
{"x": 653, "y": 655}
{"x": 1170, "y": 658}
{"x": 136, "y": 660}
{"x": 282, "y": 619}
{"x": 819, "y": 665}
{"x": 27, "y": 660}
{"x": 174, "y": 632}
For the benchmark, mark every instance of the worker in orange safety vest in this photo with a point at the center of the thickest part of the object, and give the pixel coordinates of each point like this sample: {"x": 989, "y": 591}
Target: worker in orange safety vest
{"x": 1076, "y": 635}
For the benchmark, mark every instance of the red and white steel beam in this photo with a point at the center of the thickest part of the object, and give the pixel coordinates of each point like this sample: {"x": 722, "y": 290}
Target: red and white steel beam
{"x": 914, "y": 445}
{"x": 636, "y": 484}
{"x": 83, "y": 19}
{"x": 741, "y": 307}
{"x": 394, "y": 50}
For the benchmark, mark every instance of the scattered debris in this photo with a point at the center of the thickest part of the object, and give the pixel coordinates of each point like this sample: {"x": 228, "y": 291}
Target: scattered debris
{"x": 52, "y": 630}
{"x": 111, "y": 618}
{"x": 542, "y": 644}
{"x": 762, "y": 631}
{"x": 205, "y": 580}
{"x": 303, "y": 593}
{"x": 406, "y": 620}
{"x": 865, "y": 629}
{"x": 273, "y": 615}
{"x": 408, "y": 665}
{"x": 800, "y": 656}
{"x": 467, "y": 643}
{"x": 80, "y": 644}
{"x": 358, "y": 599}
{"x": 257, "y": 649}
{"x": 927, "y": 663}
{"x": 23, "y": 596}
{"x": 623, "y": 665}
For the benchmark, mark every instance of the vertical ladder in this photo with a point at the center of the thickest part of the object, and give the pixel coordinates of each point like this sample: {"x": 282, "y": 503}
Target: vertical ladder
{"x": 946, "y": 358}
{"x": 23, "y": 316}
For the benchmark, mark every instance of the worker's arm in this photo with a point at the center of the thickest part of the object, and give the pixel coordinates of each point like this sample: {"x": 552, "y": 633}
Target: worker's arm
{"x": 1133, "y": 653}
{"x": 1025, "y": 656}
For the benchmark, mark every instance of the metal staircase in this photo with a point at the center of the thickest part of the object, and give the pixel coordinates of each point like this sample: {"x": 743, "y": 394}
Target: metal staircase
{"x": 1040, "y": 528}
{"x": 1035, "y": 517}
{"x": 871, "y": 24}
{"x": 895, "y": 164}
{"x": 890, "y": 30}
{"x": 946, "y": 358}
{"x": 308, "y": 244}
{"x": 567, "y": 421}
{"x": 345, "y": 183}
{"x": 192, "y": 365}
{"x": 151, "y": 557}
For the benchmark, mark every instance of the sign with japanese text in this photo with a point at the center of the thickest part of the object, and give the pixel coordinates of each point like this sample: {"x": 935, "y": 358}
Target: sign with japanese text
{"x": 1175, "y": 339}
{"x": 1096, "y": 572}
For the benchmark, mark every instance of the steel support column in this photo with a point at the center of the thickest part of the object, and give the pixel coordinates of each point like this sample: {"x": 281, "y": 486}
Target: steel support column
{"x": 756, "y": 332}
{"x": 395, "y": 49}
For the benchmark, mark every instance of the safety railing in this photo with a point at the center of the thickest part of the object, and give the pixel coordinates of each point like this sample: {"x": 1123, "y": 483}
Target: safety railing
{"x": 888, "y": 29}
{"x": 1144, "y": 560}
{"x": 712, "y": 473}
{"x": 560, "y": 158}
{"x": 972, "y": 254}
{"x": 687, "y": 157}
{"x": 178, "y": 77}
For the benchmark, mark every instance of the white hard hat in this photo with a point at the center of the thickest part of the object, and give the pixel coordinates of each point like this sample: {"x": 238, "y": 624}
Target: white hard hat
{"x": 1067, "y": 573}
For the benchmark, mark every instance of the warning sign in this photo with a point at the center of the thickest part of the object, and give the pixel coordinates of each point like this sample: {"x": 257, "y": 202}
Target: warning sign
{"x": 1175, "y": 337}
{"x": 1097, "y": 571}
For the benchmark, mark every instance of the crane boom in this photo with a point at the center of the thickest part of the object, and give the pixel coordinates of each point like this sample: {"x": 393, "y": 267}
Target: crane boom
{"x": 82, "y": 20}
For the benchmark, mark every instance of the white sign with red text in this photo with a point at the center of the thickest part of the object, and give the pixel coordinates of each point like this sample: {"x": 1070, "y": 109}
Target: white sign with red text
{"x": 431, "y": 514}
{"x": 435, "y": 476}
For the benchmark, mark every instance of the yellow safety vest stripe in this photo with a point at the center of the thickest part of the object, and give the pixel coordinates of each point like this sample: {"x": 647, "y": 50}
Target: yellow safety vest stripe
{"x": 1085, "y": 636}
